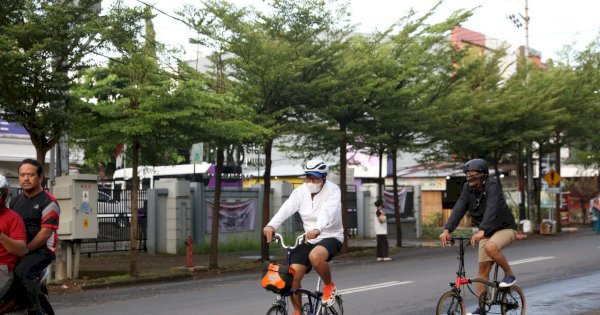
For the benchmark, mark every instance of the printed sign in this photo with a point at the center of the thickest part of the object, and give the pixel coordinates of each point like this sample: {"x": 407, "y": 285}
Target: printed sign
{"x": 85, "y": 202}
{"x": 552, "y": 177}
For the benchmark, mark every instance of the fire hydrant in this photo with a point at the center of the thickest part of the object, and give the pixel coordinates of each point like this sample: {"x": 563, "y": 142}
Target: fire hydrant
{"x": 189, "y": 253}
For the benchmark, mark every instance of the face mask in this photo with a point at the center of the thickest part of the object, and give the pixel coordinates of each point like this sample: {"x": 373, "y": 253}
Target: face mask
{"x": 313, "y": 188}
{"x": 474, "y": 178}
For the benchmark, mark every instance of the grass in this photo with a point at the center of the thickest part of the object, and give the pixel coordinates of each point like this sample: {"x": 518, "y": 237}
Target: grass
{"x": 433, "y": 233}
{"x": 231, "y": 246}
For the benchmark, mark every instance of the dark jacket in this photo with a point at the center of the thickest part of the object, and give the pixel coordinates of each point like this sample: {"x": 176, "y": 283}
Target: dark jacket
{"x": 487, "y": 207}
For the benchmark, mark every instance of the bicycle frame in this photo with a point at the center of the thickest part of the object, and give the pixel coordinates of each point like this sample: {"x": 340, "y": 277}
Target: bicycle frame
{"x": 461, "y": 278}
{"x": 314, "y": 297}
{"x": 494, "y": 294}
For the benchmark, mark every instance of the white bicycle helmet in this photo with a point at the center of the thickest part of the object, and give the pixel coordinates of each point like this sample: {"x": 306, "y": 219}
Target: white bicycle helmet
{"x": 316, "y": 168}
{"x": 4, "y": 191}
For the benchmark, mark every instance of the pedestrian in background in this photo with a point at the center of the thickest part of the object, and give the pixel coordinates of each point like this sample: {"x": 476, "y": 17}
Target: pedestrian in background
{"x": 381, "y": 232}
{"x": 596, "y": 218}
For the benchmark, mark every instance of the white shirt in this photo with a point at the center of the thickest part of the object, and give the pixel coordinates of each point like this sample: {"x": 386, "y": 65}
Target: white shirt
{"x": 323, "y": 212}
{"x": 380, "y": 228}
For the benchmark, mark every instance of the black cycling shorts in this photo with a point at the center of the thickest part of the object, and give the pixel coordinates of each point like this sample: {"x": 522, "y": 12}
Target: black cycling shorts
{"x": 300, "y": 253}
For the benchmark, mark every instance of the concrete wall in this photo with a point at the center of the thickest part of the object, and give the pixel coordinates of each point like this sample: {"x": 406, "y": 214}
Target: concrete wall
{"x": 177, "y": 209}
{"x": 367, "y": 215}
{"x": 175, "y": 218}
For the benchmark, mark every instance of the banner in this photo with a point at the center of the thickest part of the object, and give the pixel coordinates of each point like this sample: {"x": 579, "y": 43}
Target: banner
{"x": 388, "y": 201}
{"x": 238, "y": 216}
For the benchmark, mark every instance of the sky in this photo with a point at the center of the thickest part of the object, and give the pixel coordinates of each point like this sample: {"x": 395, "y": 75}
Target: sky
{"x": 553, "y": 23}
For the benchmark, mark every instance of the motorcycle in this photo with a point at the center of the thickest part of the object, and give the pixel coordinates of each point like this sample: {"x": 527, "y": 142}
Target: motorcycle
{"x": 10, "y": 303}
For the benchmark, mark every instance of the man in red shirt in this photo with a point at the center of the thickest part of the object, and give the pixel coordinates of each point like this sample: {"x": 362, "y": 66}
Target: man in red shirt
{"x": 12, "y": 239}
{"x": 40, "y": 213}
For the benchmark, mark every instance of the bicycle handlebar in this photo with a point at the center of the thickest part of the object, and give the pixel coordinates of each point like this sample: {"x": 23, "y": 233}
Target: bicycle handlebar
{"x": 279, "y": 239}
{"x": 453, "y": 239}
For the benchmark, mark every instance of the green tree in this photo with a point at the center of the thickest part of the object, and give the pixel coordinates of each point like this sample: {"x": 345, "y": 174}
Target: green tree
{"x": 338, "y": 101}
{"x": 584, "y": 189}
{"x": 566, "y": 105}
{"x": 270, "y": 56}
{"x": 414, "y": 73}
{"x": 134, "y": 104}
{"x": 42, "y": 45}
{"x": 586, "y": 148}
{"x": 231, "y": 126}
{"x": 487, "y": 115}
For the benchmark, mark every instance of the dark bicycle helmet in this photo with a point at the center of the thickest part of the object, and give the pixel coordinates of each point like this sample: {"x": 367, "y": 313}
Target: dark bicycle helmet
{"x": 478, "y": 165}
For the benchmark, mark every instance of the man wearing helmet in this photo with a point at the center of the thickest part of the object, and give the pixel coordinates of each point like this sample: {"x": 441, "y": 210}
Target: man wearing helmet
{"x": 483, "y": 198}
{"x": 40, "y": 212}
{"x": 12, "y": 238}
{"x": 319, "y": 204}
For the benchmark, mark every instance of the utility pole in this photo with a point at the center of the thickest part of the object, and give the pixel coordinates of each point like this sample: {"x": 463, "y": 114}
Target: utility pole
{"x": 528, "y": 151}
{"x": 530, "y": 183}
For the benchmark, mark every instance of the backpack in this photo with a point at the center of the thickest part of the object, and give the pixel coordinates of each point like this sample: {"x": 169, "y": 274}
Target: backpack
{"x": 277, "y": 278}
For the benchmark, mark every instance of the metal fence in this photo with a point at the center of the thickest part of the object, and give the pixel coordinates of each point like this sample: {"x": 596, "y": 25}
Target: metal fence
{"x": 114, "y": 222}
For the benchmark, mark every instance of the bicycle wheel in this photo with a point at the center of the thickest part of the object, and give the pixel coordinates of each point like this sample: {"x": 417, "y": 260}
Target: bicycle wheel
{"x": 513, "y": 301}
{"x": 450, "y": 304}
{"x": 336, "y": 309}
{"x": 46, "y": 307}
{"x": 277, "y": 310}
{"x": 306, "y": 308}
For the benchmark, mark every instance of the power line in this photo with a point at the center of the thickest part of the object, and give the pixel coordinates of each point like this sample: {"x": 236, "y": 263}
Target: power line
{"x": 165, "y": 13}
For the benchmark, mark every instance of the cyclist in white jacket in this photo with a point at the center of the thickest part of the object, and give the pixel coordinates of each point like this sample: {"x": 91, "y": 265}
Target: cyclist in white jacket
{"x": 320, "y": 207}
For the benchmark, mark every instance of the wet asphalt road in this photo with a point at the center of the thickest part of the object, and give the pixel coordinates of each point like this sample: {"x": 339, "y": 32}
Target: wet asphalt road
{"x": 559, "y": 275}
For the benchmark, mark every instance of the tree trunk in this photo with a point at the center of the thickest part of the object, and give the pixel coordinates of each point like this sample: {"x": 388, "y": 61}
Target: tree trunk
{"x": 344, "y": 189}
{"x": 530, "y": 188}
{"x": 214, "y": 239}
{"x": 497, "y": 174}
{"x": 558, "y": 196}
{"x": 538, "y": 186}
{"x": 583, "y": 211}
{"x": 381, "y": 181}
{"x": 266, "y": 209}
{"x": 133, "y": 227}
{"x": 393, "y": 152}
{"x": 40, "y": 156}
{"x": 521, "y": 180}
{"x": 41, "y": 148}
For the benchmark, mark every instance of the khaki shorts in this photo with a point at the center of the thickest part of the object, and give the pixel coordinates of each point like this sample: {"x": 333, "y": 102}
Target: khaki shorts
{"x": 502, "y": 238}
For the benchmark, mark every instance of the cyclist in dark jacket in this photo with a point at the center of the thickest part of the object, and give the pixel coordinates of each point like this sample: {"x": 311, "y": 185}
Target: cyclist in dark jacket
{"x": 483, "y": 198}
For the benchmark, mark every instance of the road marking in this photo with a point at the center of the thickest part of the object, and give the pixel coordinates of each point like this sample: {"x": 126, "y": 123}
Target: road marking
{"x": 528, "y": 260}
{"x": 373, "y": 287}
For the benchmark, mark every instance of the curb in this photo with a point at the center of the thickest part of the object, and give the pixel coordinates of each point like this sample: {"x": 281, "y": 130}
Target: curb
{"x": 135, "y": 282}
{"x": 183, "y": 274}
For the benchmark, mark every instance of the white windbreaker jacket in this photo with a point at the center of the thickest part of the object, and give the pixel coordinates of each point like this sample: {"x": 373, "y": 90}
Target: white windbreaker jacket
{"x": 323, "y": 213}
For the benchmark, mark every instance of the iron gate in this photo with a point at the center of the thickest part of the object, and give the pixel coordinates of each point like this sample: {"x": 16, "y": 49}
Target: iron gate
{"x": 114, "y": 222}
